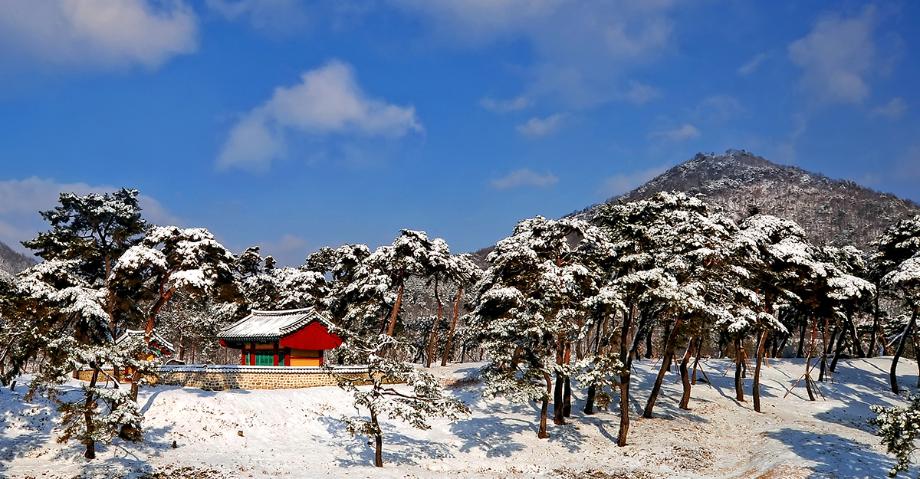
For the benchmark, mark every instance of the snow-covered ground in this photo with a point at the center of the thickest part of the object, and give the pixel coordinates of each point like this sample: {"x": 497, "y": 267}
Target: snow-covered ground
{"x": 297, "y": 433}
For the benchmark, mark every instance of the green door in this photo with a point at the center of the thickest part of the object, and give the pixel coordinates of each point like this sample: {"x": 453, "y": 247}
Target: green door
{"x": 265, "y": 359}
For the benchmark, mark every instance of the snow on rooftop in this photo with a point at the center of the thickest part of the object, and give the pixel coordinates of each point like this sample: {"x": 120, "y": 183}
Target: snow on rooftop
{"x": 136, "y": 333}
{"x": 271, "y": 325}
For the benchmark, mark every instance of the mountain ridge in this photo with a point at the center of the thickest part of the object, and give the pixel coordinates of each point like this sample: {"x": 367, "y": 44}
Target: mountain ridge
{"x": 831, "y": 211}
{"x": 11, "y": 261}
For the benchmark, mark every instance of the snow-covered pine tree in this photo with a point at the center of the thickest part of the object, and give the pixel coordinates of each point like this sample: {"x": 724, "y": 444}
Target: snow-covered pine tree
{"x": 411, "y": 254}
{"x": 167, "y": 261}
{"x": 783, "y": 268}
{"x": 850, "y": 294}
{"x": 897, "y": 261}
{"x": 460, "y": 272}
{"x": 671, "y": 265}
{"x": 191, "y": 323}
{"x": 530, "y": 309}
{"x": 465, "y": 274}
{"x": 75, "y": 295}
{"x": 361, "y": 294}
{"x": 266, "y": 287}
{"x": 634, "y": 279}
{"x": 73, "y": 334}
{"x": 899, "y": 427}
{"x": 391, "y": 389}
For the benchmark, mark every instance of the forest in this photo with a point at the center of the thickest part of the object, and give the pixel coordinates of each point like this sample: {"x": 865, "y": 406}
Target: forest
{"x": 559, "y": 305}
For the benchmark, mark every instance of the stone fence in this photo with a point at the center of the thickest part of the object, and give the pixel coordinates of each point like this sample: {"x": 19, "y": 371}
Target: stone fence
{"x": 220, "y": 377}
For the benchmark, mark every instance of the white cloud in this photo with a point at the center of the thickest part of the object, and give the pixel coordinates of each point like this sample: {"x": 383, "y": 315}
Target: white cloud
{"x": 21, "y": 200}
{"x": 752, "y": 65}
{"x": 625, "y": 182}
{"x": 269, "y": 16}
{"x": 505, "y": 106}
{"x": 524, "y": 177}
{"x": 893, "y": 110}
{"x": 537, "y": 127}
{"x": 327, "y": 101}
{"x": 837, "y": 56}
{"x": 96, "y": 33}
{"x": 583, "y": 51}
{"x": 681, "y": 133}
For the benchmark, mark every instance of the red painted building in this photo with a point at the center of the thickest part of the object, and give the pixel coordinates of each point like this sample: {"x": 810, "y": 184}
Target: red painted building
{"x": 295, "y": 337}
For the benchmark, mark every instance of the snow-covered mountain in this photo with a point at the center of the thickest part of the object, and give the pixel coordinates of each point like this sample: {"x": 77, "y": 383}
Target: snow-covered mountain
{"x": 836, "y": 212}
{"x": 12, "y": 262}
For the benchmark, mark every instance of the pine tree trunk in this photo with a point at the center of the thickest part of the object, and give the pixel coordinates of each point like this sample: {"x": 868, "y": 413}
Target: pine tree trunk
{"x": 696, "y": 359}
{"x": 448, "y": 343}
{"x": 756, "y": 385}
{"x": 558, "y": 415}
{"x": 893, "y": 375}
{"x": 838, "y": 351}
{"x": 648, "y": 344}
{"x": 685, "y": 376}
{"x": 589, "y": 399}
{"x": 433, "y": 338}
{"x": 625, "y": 378}
{"x": 394, "y": 314}
{"x": 739, "y": 362}
{"x": 666, "y": 334}
{"x": 567, "y": 383}
{"x": 800, "y": 352}
{"x": 809, "y": 386}
{"x": 916, "y": 356}
{"x": 854, "y": 335}
{"x": 88, "y": 411}
{"x": 592, "y": 388}
{"x": 567, "y": 398}
{"x": 378, "y": 440}
{"x": 665, "y": 366}
{"x": 624, "y": 408}
{"x": 544, "y": 407}
{"x": 876, "y": 315}
{"x": 826, "y": 350}
{"x": 782, "y": 347}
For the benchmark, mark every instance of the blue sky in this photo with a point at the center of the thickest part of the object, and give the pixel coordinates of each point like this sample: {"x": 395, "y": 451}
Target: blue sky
{"x": 296, "y": 125}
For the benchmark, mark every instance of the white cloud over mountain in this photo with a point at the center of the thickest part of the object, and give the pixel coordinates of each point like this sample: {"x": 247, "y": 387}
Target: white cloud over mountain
{"x": 327, "y": 101}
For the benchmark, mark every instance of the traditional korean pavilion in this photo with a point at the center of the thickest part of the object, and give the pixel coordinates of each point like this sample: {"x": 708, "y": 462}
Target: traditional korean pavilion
{"x": 295, "y": 337}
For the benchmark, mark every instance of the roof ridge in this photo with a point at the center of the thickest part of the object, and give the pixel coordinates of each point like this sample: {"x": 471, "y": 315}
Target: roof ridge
{"x": 280, "y": 312}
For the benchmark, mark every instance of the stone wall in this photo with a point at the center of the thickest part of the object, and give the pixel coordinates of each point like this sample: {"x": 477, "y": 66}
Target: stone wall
{"x": 217, "y": 378}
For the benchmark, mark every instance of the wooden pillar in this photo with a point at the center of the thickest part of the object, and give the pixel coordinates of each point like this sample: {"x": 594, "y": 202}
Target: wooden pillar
{"x": 322, "y": 356}
{"x": 275, "y": 352}
{"x": 287, "y": 356}
{"x": 252, "y": 354}
{"x": 242, "y": 355}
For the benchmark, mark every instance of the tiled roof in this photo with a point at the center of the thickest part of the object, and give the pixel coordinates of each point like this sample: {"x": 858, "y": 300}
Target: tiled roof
{"x": 136, "y": 333}
{"x": 271, "y": 325}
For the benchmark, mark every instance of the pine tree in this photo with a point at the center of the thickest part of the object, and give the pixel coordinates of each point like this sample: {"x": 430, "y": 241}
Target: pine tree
{"x": 530, "y": 310}
{"x": 783, "y": 268}
{"x": 167, "y": 261}
{"x": 390, "y": 389}
{"x": 266, "y": 287}
{"x": 361, "y": 294}
{"x": 899, "y": 428}
{"x": 78, "y": 303}
{"x": 897, "y": 261}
